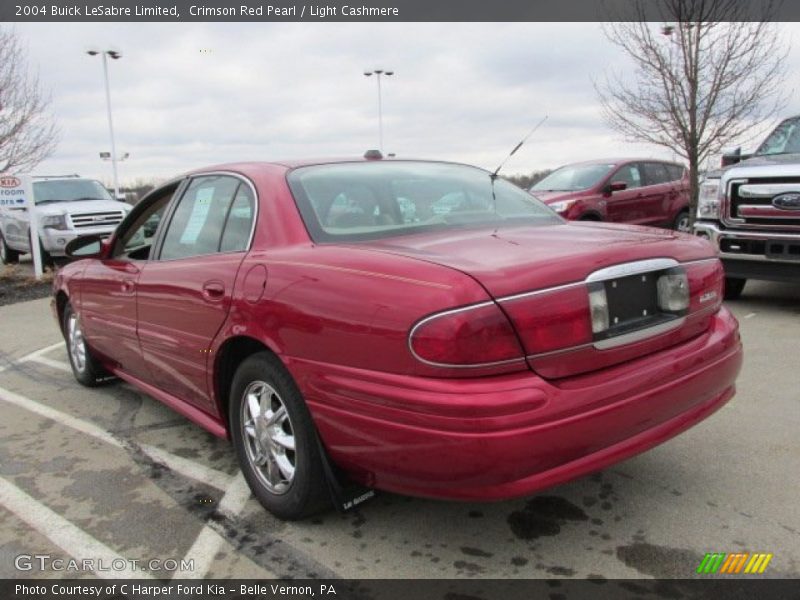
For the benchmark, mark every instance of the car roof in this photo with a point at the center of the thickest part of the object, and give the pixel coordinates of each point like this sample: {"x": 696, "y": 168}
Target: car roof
{"x": 620, "y": 161}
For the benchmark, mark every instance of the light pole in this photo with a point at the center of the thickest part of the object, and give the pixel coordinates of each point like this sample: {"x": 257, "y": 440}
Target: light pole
{"x": 114, "y": 54}
{"x": 378, "y": 73}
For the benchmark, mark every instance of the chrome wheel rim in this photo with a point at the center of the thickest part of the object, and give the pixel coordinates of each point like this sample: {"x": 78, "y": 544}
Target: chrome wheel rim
{"x": 77, "y": 348}
{"x": 268, "y": 436}
{"x": 683, "y": 224}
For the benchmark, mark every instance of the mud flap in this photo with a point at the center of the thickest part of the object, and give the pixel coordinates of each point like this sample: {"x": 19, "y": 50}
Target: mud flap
{"x": 344, "y": 495}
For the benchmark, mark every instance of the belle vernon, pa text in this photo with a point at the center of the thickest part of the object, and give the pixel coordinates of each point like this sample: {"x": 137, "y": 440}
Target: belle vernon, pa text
{"x": 179, "y": 590}
{"x": 264, "y": 10}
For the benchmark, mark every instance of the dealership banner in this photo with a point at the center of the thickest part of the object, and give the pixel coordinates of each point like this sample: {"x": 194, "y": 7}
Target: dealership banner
{"x": 391, "y": 589}
{"x": 359, "y": 10}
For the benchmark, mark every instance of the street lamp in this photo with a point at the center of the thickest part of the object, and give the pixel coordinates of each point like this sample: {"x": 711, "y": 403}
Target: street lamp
{"x": 378, "y": 73}
{"x": 115, "y": 55}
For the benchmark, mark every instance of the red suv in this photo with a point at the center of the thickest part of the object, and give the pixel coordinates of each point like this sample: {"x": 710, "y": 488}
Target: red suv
{"x": 637, "y": 191}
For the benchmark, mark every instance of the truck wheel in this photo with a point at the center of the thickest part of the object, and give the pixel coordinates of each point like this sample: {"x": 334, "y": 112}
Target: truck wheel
{"x": 8, "y": 256}
{"x": 734, "y": 287}
{"x": 681, "y": 222}
{"x": 275, "y": 439}
{"x": 85, "y": 367}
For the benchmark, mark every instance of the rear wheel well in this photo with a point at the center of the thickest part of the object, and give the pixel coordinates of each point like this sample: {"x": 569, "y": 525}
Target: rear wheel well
{"x": 590, "y": 217}
{"x": 61, "y": 303}
{"x": 231, "y": 354}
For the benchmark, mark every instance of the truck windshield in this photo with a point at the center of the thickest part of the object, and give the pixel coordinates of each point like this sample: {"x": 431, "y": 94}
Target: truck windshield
{"x": 784, "y": 139}
{"x": 68, "y": 190}
{"x": 346, "y": 202}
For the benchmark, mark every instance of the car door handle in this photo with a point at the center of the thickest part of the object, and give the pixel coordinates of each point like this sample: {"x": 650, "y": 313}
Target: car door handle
{"x": 128, "y": 285}
{"x": 213, "y": 290}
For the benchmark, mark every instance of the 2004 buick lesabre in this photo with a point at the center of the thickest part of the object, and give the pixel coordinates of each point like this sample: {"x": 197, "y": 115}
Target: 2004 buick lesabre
{"x": 423, "y": 327}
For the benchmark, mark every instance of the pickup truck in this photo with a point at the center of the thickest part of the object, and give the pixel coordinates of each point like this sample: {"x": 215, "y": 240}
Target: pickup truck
{"x": 67, "y": 207}
{"x": 750, "y": 211}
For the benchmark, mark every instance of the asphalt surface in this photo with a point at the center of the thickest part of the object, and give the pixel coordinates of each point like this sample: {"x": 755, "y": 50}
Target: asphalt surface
{"x": 110, "y": 473}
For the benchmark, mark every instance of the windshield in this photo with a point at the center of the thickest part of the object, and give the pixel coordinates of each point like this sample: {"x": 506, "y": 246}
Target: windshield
{"x": 376, "y": 200}
{"x": 68, "y": 190}
{"x": 784, "y": 139}
{"x": 572, "y": 178}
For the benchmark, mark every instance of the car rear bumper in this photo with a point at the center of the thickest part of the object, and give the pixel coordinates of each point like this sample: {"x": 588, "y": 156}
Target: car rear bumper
{"x": 500, "y": 437}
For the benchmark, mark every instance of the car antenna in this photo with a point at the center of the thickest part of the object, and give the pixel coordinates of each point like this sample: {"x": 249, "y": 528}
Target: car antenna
{"x": 517, "y": 147}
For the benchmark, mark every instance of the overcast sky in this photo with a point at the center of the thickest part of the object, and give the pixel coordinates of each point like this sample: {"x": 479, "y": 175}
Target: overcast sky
{"x": 190, "y": 95}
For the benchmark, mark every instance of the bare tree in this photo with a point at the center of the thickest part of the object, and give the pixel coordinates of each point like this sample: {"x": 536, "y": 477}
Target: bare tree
{"x": 27, "y": 132}
{"x": 706, "y": 73}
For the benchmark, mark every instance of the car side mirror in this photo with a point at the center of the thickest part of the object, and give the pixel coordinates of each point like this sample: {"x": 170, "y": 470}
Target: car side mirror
{"x": 89, "y": 246}
{"x": 731, "y": 157}
{"x": 615, "y": 186}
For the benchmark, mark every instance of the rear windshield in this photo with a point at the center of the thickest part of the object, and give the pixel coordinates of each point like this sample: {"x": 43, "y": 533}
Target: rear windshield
{"x": 375, "y": 200}
{"x": 68, "y": 190}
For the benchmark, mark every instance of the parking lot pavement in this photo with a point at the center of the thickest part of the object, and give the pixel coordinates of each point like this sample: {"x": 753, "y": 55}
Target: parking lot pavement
{"x": 109, "y": 473}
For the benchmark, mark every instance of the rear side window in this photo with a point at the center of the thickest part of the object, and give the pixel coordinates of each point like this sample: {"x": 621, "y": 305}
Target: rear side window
{"x": 656, "y": 173}
{"x": 629, "y": 174}
{"x": 236, "y": 235}
{"x": 676, "y": 172}
{"x": 198, "y": 221}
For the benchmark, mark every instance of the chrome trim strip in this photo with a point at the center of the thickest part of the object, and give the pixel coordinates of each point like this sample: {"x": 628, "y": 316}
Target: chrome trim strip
{"x": 421, "y": 322}
{"x": 640, "y": 335}
{"x": 767, "y": 190}
{"x": 632, "y": 268}
{"x": 769, "y": 212}
{"x": 541, "y": 291}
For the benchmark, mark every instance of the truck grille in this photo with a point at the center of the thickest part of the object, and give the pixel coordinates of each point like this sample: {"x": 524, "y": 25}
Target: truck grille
{"x": 98, "y": 219}
{"x": 761, "y": 203}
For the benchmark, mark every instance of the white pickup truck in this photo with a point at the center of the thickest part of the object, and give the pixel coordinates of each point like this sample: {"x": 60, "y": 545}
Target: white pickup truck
{"x": 750, "y": 211}
{"x": 66, "y": 207}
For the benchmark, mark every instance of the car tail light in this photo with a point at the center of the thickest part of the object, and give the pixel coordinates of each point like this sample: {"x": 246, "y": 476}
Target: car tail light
{"x": 474, "y": 336}
{"x": 556, "y": 319}
{"x": 706, "y": 284}
{"x": 673, "y": 291}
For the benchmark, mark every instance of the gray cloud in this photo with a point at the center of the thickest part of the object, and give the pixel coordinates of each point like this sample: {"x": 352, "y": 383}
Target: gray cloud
{"x": 186, "y": 95}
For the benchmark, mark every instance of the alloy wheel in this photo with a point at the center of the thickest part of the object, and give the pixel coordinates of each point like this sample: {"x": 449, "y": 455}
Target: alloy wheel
{"x": 77, "y": 348}
{"x": 268, "y": 436}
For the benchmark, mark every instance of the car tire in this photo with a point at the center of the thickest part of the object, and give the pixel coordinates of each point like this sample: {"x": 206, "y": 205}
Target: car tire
{"x": 85, "y": 367}
{"x": 681, "y": 222}
{"x": 8, "y": 256}
{"x": 734, "y": 287}
{"x": 275, "y": 439}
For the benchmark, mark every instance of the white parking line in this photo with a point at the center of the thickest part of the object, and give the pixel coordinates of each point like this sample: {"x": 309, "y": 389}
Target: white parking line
{"x": 32, "y": 356}
{"x": 55, "y": 364}
{"x": 188, "y": 467}
{"x": 183, "y": 466}
{"x": 65, "y": 535}
{"x": 208, "y": 542}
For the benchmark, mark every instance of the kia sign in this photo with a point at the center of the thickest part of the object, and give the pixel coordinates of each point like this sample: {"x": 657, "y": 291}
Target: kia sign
{"x": 17, "y": 205}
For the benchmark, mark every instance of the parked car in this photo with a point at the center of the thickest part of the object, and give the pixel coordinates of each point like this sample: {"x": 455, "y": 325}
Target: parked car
{"x": 750, "y": 210}
{"x": 637, "y": 191}
{"x": 483, "y": 352}
{"x": 67, "y": 207}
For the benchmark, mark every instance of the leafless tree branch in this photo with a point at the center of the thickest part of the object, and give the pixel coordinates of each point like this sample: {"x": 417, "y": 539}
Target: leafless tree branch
{"x": 28, "y": 134}
{"x": 697, "y": 84}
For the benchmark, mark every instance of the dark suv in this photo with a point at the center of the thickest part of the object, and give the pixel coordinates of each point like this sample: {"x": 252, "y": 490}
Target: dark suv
{"x": 634, "y": 190}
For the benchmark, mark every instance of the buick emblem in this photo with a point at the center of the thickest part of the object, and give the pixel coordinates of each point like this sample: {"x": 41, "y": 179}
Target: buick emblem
{"x": 787, "y": 201}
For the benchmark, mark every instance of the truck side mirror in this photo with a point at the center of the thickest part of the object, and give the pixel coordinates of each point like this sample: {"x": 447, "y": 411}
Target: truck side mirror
{"x": 731, "y": 157}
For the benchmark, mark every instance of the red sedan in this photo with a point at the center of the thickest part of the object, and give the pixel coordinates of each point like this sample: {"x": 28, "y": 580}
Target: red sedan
{"x": 419, "y": 327}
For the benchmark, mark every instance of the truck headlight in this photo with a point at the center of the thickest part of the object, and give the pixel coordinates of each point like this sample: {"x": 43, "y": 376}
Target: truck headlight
{"x": 54, "y": 222}
{"x": 708, "y": 200}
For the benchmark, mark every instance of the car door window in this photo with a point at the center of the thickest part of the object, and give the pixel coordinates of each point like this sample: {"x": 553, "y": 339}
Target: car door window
{"x": 137, "y": 240}
{"x": 630, "y": 175}
{"x": 196, "y": 225}
{"x": 656, "y": 173}
{"x": 236, "y": 236}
